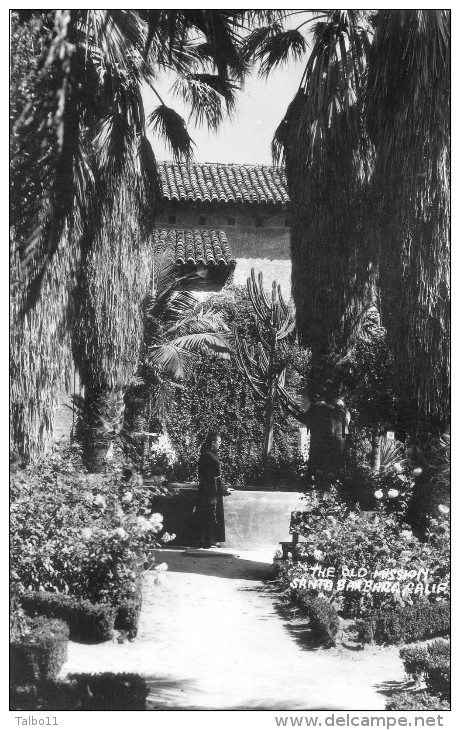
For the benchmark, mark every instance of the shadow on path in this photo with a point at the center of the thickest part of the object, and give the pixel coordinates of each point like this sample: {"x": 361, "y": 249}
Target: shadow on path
{"x": 215, "y": 565}
{"x": 167, "y": 694}
{"x": 389, "y": 688}
{"x": 293, "y": 621}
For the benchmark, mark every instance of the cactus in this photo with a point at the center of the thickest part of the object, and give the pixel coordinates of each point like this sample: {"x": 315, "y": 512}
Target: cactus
{"x": 264, "y": 366}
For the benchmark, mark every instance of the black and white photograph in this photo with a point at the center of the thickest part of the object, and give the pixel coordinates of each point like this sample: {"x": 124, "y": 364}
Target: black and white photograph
{"x": 229, "y": 371}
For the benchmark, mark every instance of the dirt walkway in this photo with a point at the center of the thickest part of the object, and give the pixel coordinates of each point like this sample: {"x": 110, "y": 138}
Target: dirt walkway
{"x": 212, "y": 637}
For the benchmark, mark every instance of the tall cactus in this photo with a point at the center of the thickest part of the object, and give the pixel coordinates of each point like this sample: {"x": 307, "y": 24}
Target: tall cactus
{"x": 264, "y": 366}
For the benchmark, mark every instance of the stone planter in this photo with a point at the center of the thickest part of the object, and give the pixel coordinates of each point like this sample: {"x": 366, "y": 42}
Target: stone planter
{"x": 253, "y": 518}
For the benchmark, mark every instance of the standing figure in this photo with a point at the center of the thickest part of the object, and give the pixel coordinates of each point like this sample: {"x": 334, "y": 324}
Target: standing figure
{"x": 210, "y": 493}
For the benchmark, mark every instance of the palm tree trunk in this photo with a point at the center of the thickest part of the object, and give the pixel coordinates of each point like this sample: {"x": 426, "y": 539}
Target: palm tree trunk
{"x": 375, "y": 453}
{"x": 101, "y": 422}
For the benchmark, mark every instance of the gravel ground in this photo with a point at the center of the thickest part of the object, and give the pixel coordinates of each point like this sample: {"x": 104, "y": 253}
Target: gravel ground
{"x": 214, "y": 636}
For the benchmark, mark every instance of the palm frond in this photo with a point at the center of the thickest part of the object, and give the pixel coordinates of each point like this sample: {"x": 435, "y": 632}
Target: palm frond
{"x": 207, "y": 96}
{"x": 391, "y": 453}
{"x": 279, "y": 48}
{"x": 219, "y": 28}
{"x": 171, "y": 126}
{"x": 256, "y": 40}
{"x": 171, "y": 360}
{"x": 203, "y": 341}
{"x": 180, "y": 305}
{"x": 195, "y": 322}
{"x": 119, "y": 36}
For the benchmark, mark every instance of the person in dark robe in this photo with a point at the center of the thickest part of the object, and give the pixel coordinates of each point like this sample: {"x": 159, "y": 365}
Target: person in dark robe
{"x": 211, "y": 493}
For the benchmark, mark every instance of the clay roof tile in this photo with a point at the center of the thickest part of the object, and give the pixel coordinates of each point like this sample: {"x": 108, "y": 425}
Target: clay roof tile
{"x": 251, "y": 184}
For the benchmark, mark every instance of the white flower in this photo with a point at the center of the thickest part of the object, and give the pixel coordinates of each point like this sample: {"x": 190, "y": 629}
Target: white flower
{"x": 127, "y": 497}
{"x": 120, "y": 532}
{"x": 99, "y": 501}
{"x": 86, "y": 533}
{"x": 417, "y": 472}
{"x": 161, "y": 567}
{"x": 393, "y": 493}
{"x": 318, "y": 555}
{"x": 406, "y": 534}
{"x": 156, "y": 522}
{"x": 378, "y": 494}
{"x": 443, "y": 509}
{"x": 166, "y": 537}
{"x": 143, "y": 523}
{"x": 326, "y": 534}
{"x": 397, "y": 467}
{"x": 402, "y": 477}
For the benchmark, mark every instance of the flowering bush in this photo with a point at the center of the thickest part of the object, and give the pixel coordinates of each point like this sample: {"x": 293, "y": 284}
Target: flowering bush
{"x": 162, "y": 456}
{"x": 78, "y": 533}
{"x": 359, "y": 547}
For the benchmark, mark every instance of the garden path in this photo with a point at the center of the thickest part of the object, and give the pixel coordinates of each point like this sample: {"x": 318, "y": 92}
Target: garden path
{"x": 214, "y": 636}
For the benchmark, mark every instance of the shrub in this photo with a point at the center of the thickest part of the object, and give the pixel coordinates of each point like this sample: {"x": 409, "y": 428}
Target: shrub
{"x": 40, "y": 653}
{"x": 341, "y": 537}
{"x": 72, "y": 532}
{"x": 414, "y": 659}
{"x": 106, "y": 691}
{"x": 437, "y": 669}
{"x": 431, "y": 663}
{"x": 405, "y": 623}
{"x": 109, "y": 691}
{"x": 324, "y": 621}
{"x": 127, "y": 618}
{"x": 88, "y": 623}
{"x": 403, "y": 701}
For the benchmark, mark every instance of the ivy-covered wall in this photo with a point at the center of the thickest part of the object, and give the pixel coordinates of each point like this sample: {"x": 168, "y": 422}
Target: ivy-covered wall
{"x": 217, "y": 396}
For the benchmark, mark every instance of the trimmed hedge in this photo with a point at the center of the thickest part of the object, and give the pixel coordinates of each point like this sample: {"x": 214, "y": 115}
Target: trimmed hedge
{"x": 402, "y": 701}
{"x": 414, "y": 659}
{"x": 437, "y": 669}
{"x": 405, "y": 623}
{"x": 324, "y": 620}
{"x": 110, "y": 691}
{"x": 89, "y": 623}
{"x": 107, "y": 691}
{"x": 40, "y": 654}
{"x": 431, "y": 663}
{"x": 128, "y": 616}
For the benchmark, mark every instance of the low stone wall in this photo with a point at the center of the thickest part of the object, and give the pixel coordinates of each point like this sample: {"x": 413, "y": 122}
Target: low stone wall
{"x": 257, "y": 518}
{"x": 253, "y": 518}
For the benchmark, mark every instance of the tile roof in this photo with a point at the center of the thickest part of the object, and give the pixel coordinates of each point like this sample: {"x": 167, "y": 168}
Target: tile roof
{"x": 218, "y": 182}
{"x": 207, "y": 247}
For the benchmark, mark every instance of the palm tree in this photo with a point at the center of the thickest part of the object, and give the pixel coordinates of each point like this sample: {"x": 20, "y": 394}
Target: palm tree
{"x": 407, "y": 113}
{"x": 79, "y": 155}
{"x": 176, "y": 332}
{"x": 366, "y": 147}
{"x": 92, "y": 67}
